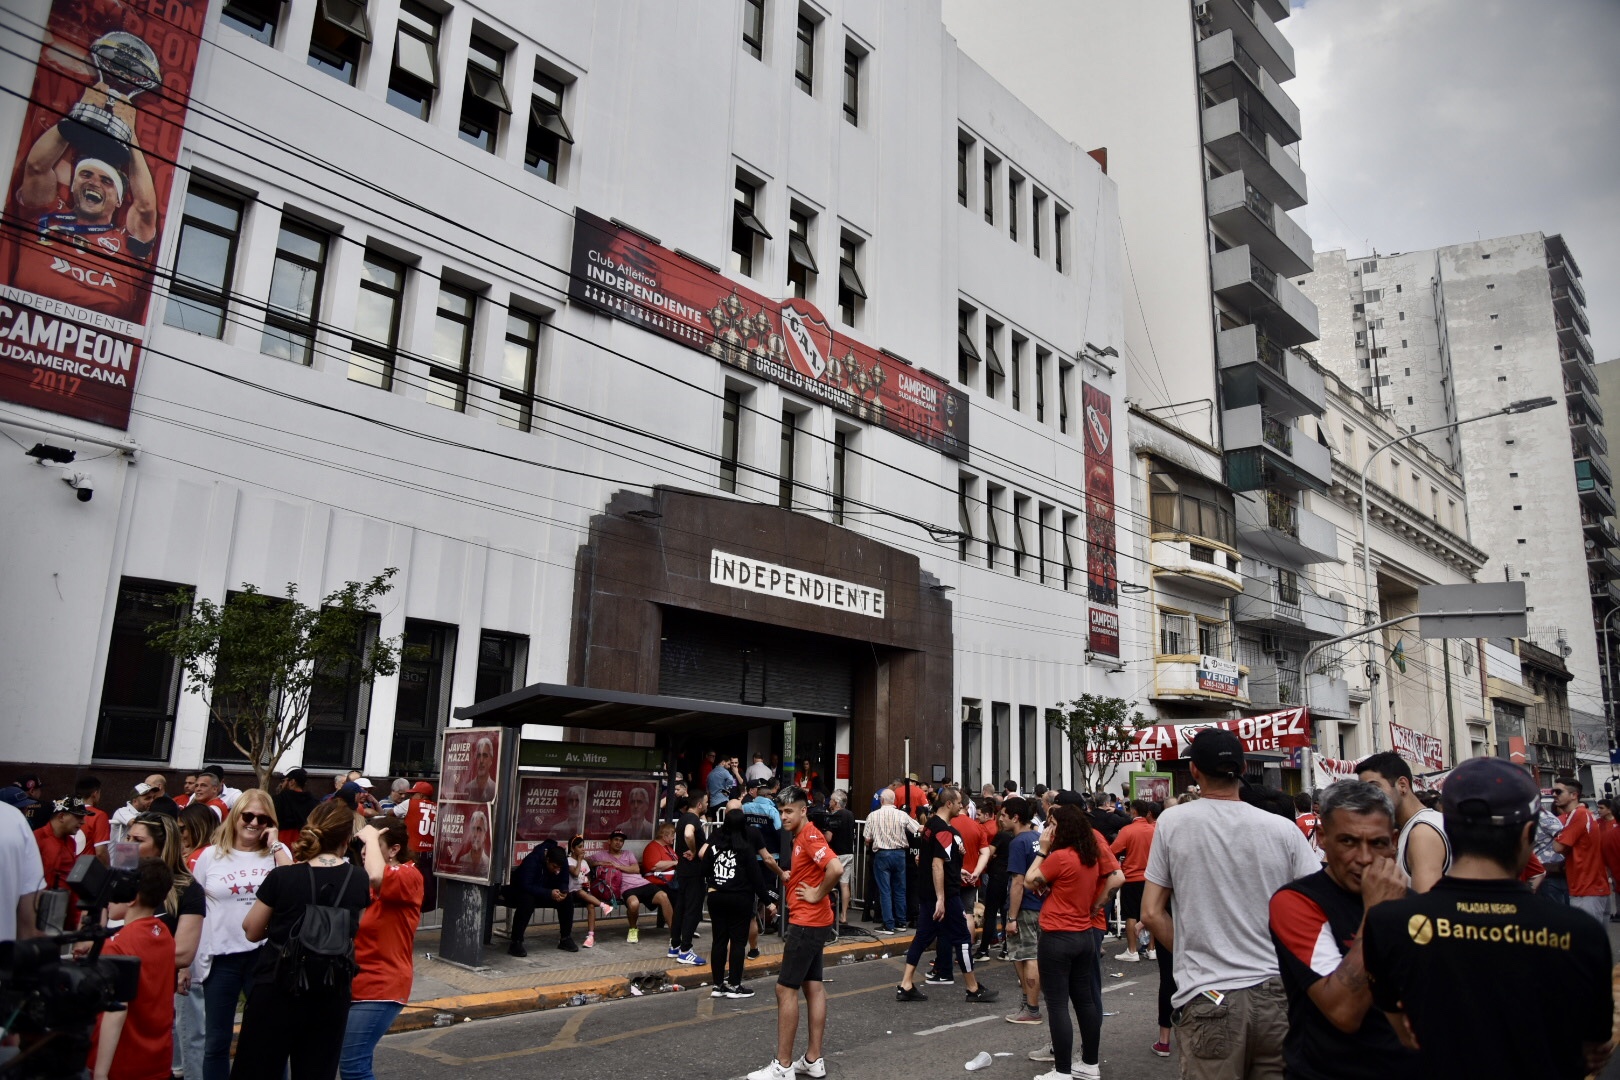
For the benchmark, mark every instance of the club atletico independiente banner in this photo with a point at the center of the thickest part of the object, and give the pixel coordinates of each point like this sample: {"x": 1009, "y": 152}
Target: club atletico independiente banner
{"x": 789, "y": 342}
{"x": 1102, "y": 569}
{"x": 85, "y": 200}
{"x": 1281, "y": 730}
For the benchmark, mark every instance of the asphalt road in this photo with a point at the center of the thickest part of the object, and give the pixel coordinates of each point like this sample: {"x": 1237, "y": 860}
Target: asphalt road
{"x": 692, "y": 1036}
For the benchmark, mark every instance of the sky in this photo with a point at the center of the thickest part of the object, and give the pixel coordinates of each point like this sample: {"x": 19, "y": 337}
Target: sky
{"x": 1433, "y": 122}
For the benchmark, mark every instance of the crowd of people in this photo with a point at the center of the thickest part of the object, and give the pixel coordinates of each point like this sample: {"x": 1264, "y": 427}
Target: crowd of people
{"x": 230, "y": 886}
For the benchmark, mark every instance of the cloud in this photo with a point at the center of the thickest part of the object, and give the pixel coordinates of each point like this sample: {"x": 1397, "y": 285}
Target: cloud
{"x": 1434, "y": 122}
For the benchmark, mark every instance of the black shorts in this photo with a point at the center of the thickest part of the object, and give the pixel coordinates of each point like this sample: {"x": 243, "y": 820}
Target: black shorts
{"x": 801, "y": 955}
{"x": 1130, "y": 901}
{"x": 646, "y": 894}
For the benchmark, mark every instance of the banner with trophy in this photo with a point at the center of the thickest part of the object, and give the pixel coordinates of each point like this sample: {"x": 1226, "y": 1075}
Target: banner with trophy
{"x": 85, "y": 202}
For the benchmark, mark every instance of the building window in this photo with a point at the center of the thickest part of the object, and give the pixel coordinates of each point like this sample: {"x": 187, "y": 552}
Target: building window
{"x": 1041, "y": 359}
{"x": 784, "y": 472}
{"x": 972, "y": 745}
{"x": 840, "y": 474}
{"x": 1060, "y": 227}
{"x": 204, "y": 262}
{"x": 1000, "y": 742}
{"x": 341, "y": 30}
{"x": 427, "y": 657}
{"x": 1211, "y": 638}
{"x": 1020, "y": 547}
{"x": 994, "y": 372}
{"x": 1189, "y": 505}
{"x": 452, "y": 348}
{"x": 852, "y": 83}
{"x": 1029, "y": 741}
{"x": 503, "y": 661}
{"x": 994, "y": 497}
{"x": 1287, "y": 587}
{"x": 967, "y": 354}
{"x": 1065, "y": 377}
{"x": 415, "y": 75}
{"x": 963, "y": 146}
{"x": 1175, "y": 634}
{"x": 255, "y": 18}
{"x": 802, "y": 268}
{"x": 730, "y": 439}
{"x": 746, "y": 230}
{"x": 851, "y": 291}
{"x": 140, "y": 688}
{"x": 520, "y": 360}
{"x": 376, "y": 321}
{"x": 1015, "y": 378}
{"x": 1055, "y": 755}
{"x": 1373, "y": 296}
{"x": 293, "y": 311}
{"x": 484, "y": 102}
{"x": 753, "y": 29}
{"x": 804, "y": 55}
{"x": 964, "y": 511}
{"x": 542, "y": 153}
{"x": 989, "y": 189}
{"x": 340, "y": 704}
{"x": 1037, "y": 219}
{"x": 1015, "y": 192}
{"x": 1071, "y": 526}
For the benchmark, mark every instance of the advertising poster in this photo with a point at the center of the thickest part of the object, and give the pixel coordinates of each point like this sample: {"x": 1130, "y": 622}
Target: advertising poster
{"x": 1282, "y": 730}
{"x": 472, "y": 758}
{"x": 620, "y": 805}
{"x": 463, "y": 846}
{"x": 1425, "y": 752}
{"x": 548, "y": 808}
{"x": 85, "y": 202}
{"x": 1102, "y": 570}
{"x": 623, "y": 274}
{"x": 1152, "y": 786}
{"x": 1218, "y": 676}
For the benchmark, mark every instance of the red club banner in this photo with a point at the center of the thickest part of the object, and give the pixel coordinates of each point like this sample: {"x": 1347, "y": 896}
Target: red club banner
{"x": 1102, "y": 571}
{"x": 1281, "y": 730}
{"x": 1425, "y": 751}
{"x": 84, "y": 205}
{"x": 789, "y": 342}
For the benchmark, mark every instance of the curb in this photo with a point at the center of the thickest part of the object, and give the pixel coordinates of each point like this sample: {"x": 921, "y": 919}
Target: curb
{"x": 420, "y": 1015}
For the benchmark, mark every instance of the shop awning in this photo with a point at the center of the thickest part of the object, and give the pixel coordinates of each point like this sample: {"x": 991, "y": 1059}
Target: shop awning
{"x": 614, "y": 710}
{"x": 1282, "y": 730}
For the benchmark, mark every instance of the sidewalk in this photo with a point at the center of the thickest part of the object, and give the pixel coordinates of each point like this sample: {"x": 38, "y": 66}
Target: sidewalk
{"x": 548, "y": 977}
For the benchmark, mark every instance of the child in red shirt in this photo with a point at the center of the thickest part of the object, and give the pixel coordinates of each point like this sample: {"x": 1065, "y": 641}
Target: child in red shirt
{"x": 138, "y": 1042}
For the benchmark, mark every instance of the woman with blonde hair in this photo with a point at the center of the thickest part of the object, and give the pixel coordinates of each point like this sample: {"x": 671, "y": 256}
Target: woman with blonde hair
{"x": 231, "y": 870}
{"x": 308, "y": 997}
{"x": 158, "y": 837}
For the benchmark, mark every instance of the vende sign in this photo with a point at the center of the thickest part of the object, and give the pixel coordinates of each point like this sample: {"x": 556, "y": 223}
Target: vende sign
{"x": 741, "y": 572}
{"x": 1218, "y": 676}
{"x": 1281, "y": 730}
{"x": 1420, "y": 749}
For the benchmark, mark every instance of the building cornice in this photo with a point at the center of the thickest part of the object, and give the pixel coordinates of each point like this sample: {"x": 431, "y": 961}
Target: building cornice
{"x": 1397, "y": 516}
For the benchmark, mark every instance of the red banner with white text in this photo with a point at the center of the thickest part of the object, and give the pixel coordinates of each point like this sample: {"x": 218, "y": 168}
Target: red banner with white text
{"x": 1427, "y": 752}
{"x": 623, "y": 274}
{"x": 1102, "y": 569}
{"x": 84, "y": 204}
{"x": 1282, "y": 730}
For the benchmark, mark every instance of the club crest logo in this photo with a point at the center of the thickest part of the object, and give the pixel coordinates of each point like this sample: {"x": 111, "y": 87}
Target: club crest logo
{"x": 1098, "y": 425}
{"x": 805, "y": 331}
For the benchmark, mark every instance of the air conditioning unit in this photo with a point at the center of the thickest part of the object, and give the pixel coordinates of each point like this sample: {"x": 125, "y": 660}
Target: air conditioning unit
{"x": 971, "y": 714}
{"x": 1268, "y": 642}
{"x": 1281, "y": 657}
{"x": 1201, "y": 14}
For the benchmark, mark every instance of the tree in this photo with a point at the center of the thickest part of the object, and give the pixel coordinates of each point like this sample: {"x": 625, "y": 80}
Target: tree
{"x": 1099, "y": 731}
{"x": 256, "y": 659}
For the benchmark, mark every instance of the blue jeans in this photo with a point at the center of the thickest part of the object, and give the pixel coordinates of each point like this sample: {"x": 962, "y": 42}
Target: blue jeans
{"x": 889, "y": 872}
{"x": 1555, "y": 889}
{"x": 369, "y": 1021}
{"x": 189, "y": 1032}
{"x": 228, "y": 976}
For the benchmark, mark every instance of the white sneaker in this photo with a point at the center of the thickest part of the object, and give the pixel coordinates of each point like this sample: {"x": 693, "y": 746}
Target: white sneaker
{"x": 1129, "y": 957}
{"x": 807, "y": 1069}
{"x": 773, "y": 1070}
{"x": 1082, "y": 1071}
{"x": 1053, "y": 1075}
{"x": 1153, "y": 954}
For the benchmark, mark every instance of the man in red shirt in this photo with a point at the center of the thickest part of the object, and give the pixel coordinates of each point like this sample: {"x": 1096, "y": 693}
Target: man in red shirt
{"x": 97, "y": 825}
{"x": 58, "y": 850}
{"x": 815, "y": 870}
{"x": 1306, "y": 818}
{"x": 975, "y": 857}
{"x": 136, "y": 1043}
{"x": 1581, "y": 844}
{"x": 206, "y": 791}
{"x": 1132, "y": 845}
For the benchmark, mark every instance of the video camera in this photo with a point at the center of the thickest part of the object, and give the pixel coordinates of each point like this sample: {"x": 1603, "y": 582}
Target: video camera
{"x": 53, "y": 1002}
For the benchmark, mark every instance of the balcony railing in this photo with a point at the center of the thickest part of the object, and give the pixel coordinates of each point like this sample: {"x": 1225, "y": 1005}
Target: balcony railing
{"x": 1281, "y": 514}
{"x": 1260, "y": 206}
{"x": 1276, "y": 434}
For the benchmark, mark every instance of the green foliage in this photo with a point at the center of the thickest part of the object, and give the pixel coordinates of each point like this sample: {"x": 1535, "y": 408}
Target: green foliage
{"x": 255, "y": 659}
{"x": 1099, "y": 732}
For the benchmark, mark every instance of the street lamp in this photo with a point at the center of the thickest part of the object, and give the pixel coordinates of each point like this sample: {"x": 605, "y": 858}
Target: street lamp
{"x": 1368, "y": 612}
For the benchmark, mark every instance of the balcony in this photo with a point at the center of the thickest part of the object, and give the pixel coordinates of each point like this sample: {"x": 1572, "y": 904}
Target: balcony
{"x": 1328, "y": 695}
{"x": 1199, "y": 568}
{"x": 1568, "y": 308}
{"x": 1277, "y": 9}
{"x": 1235, "y": 135}
{"x": 1607, "y": 592}
{"x": 1282, "y": 311}
{"x": 1586, "y": 433}
{"x": 1230, "y": 72}
{"x": 1255, "y": 369}
{"x": 1254, "y": 31}
{"x": 1558, "y": 255}
{"x": 1267, "y": 604}
{"x": 1578, "y": 367}
{"x": 1247, "y": 216}
{"x": 1578, "y": 394}
{"x": 1265, "y": 451}
{"x": 1176, "y": 677}
{"x": 1593, "y": 495}
{"x": 1274, "y": 528}
{"x": 1602, "y": 562}
{"x": 1572, "y": 336}
{"x": 1597, "y": 530}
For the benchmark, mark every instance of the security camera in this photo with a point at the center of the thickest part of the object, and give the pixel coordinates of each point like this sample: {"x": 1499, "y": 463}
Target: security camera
{"x": 82, "y": 485}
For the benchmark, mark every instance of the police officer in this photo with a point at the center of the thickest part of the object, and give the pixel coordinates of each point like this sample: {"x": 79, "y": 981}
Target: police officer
{"x": 1442, "y": 963}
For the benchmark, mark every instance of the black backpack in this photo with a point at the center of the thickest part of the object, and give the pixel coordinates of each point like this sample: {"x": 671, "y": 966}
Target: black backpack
{"x": 319, "y": 954}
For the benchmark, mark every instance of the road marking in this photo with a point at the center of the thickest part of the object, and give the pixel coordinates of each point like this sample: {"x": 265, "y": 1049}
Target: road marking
{"x": 958, "y": 1024}
{"x": 1121, "y": 986}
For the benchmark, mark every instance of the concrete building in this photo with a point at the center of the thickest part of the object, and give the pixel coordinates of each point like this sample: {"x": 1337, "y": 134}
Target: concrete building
{"x": 1187, "y": 99}
{"x": 1458, "y": 332}
{"x": 545, "y": 266}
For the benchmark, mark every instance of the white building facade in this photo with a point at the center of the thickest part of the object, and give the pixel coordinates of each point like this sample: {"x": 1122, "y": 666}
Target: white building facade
{"x": 385, "y": 347}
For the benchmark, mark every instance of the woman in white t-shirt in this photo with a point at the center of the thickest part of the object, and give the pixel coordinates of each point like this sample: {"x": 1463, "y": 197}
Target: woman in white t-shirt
{"x": 579, "y": 878}
{"x": 230, "y": 870}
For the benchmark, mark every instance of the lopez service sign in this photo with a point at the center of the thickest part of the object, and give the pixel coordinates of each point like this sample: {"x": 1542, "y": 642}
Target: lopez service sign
{"x": 773, "y": 580}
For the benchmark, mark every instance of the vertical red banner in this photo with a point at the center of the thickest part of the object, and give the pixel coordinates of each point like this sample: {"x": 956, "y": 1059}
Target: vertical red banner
{"x": 1102, "y": 572}
{"x": 85, "y": 200}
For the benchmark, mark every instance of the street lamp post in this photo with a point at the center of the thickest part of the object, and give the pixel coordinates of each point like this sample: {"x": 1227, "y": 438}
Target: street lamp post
{"x": 1368, "y": 613}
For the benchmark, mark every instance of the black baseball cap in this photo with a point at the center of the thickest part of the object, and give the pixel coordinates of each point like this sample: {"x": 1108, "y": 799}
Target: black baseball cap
{"x": 1070, "y": 798}
{"x": 618, "y": 834}
{"x": 1217, "y": 752}
{"x": 1490, "y": 791}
